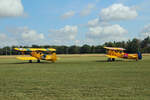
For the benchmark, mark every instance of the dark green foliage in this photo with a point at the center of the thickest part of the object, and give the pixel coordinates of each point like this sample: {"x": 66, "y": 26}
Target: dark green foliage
{"x": 131, "y": 46}
{"x": 145, "y": 45}
{"x": 74, "y": 50}
{"x": 99, "y": 49}
{"x": 61, "y": 49}
{"x": 85, "y": 49}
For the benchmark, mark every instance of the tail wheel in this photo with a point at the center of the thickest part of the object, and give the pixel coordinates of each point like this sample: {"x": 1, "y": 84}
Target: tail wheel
{"x": 53, "y": 61}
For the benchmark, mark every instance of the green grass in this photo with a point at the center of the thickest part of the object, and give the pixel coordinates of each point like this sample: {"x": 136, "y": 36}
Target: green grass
{"x": 75, "y": 78}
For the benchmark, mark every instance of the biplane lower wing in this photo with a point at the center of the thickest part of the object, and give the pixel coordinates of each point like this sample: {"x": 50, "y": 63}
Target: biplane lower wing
{"x": 26, "y": 58}
{"x": 109, "y": 56}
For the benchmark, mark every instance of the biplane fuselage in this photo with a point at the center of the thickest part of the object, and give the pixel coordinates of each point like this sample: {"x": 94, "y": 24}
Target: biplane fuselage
{"x": 113, "y": 53}
{"x": 37, "y": 54}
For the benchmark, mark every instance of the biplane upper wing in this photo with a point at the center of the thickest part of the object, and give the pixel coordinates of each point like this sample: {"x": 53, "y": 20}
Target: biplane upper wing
{"x": 114, "y": 48}
{"x": 26, "y": 58}
{"x": 35, "y": 49}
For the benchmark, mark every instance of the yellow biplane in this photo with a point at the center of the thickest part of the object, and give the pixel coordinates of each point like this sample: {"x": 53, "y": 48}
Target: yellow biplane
{"x": 113, "y": 52}
{"x": 37, "y": 54}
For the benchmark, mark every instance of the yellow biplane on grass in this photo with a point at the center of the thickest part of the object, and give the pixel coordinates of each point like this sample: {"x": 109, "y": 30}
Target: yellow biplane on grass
{"x": 113, "y": 52}
{"x": 37, "y": 54}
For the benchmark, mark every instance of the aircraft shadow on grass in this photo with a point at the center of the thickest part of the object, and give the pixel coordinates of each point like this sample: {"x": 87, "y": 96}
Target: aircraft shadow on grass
{"x": 25, "y": 63}
{"x": 115, "y": 61}
{"x": 17, "y": 63}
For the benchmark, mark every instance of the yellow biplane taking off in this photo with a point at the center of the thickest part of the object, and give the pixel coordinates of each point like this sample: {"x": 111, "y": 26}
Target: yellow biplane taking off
{"x": 113, "y": 52}
{"x": 37, "y": 54}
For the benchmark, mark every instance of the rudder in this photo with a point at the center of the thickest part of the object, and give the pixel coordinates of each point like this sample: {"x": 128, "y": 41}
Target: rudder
{"x": 54, "y": 57}
{"x": 139, "y": 55}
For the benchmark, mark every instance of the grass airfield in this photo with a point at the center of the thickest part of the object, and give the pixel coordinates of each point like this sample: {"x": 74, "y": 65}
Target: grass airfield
{"x": 75, "y": 78}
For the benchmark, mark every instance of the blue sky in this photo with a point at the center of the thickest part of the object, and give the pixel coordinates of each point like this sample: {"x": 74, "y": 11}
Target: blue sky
{"x": 72, "y": 22}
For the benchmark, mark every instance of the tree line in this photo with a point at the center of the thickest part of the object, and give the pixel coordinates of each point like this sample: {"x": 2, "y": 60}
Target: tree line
{"x": 131, "y": 46}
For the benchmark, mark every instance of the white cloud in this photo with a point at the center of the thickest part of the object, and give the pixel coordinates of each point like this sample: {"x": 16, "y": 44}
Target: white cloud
{"x": 7, "y": 41}
{"x": 145, "y": 31}
{"x": 11, "y": 8}
{"x": 64, "y": 35}
{"x": 22, "y": 36}
{"x": 68, "y": 14}
{"x": 2, "y": 36}
{"x": 32, "y": 36}
{"x": 93, "y": 22}
{"x": 107, "y": 33}
{"x": 87, "y": 10}
{"x": 26, "y": 36}
{"x": 17, "y": 30}
{"x": 118, "y": 12}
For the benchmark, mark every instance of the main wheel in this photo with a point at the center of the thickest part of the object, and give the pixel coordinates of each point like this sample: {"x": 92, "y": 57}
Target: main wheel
{"x": 109, "y": 59}
{"x": 113, "y": 59}
{"x": 30, "y": 61}
{"x": 38, "y": 61}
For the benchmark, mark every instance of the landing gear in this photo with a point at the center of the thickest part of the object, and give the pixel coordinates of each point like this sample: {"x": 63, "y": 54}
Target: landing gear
{"x": 111, "y": 59}
{"x": 38, "y": 61}
{"x": 30, "y": 61}
{"x": 136, "y": 59}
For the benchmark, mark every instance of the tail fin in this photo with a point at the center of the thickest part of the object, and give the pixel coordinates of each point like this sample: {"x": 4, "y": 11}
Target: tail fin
{"x": 54, "y": 57}
{"x": 139, "y": 55}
